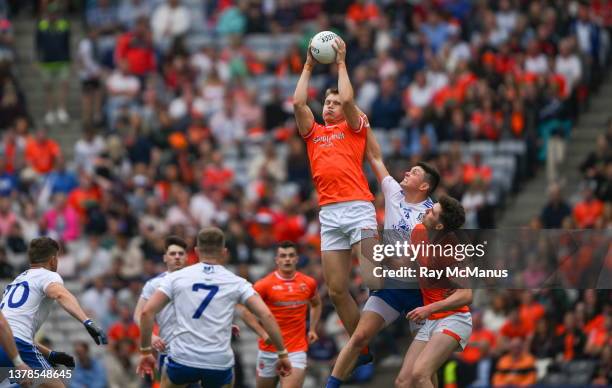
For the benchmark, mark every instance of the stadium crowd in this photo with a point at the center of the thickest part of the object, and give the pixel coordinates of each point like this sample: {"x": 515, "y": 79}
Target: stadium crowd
{"x": 187, "y": 122}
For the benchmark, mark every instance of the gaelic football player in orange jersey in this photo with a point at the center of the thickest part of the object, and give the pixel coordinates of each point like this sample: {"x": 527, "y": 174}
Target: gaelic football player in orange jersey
{"x": 448, "y": 323}
{"x": 289, "y": 294}
{"x": 336, "y": 152}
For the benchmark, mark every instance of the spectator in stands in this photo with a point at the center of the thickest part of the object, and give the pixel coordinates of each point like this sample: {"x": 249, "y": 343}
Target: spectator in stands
{"x": 530, "y": 311}
{"x": 589, "y": 209}
{"x": 7, "y": 41}
{"x": 513, "y": 328}
{"x": 62, "y": 220}
{"x": 136, "y": 48}
{"x": 120, "y": 365}
{"x": 91, "y": 74}
{"x": 128, "y": 251}
{"x": 53, "y": 55}
{"x": 87, "y": 149}
{"x": 12, "y": 101}
{"x": 42, "y": 153}
{"x": 556, "y": 210}
{"x": 568, "y": 65}
{"x": 542, "y": 342}
{"x": 132, "y": 10}
{"x": 122, "y": 88}
{"x": 476, "y": 356}
{"x": 226, "y": 126}
{"x": 8, "y": 180}
{"x": 596, "y": 160}
{"x": 61, "y": 179}
{"x": 170, "y": 21}
{"x": 103, "y": 17}
{"x": 125, "y": 330}
{"x": 6, "y": 269}
{"x": 517, "y": 368}
{"x": 88, "y": 372}
{"x": 570, "y": 339}
{"x": 98, "y": 299}
{"x": 93, "y": 259}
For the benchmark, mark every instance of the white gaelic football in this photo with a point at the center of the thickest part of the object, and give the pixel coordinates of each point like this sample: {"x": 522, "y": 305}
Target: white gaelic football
{"x": 321, "y": 47}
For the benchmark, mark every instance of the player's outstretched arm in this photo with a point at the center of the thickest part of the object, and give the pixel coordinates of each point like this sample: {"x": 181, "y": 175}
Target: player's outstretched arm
{"x": 375, "y": 157}
{"x": 71, "y": 305}
{"x": 303, "y": 115}
{"x": 251, "y": 321}
{"x": 258, "y": 307}
{"x": 316, "y": 307}
{"x": 459, "y": 298}
{"x": 352, "y": 114}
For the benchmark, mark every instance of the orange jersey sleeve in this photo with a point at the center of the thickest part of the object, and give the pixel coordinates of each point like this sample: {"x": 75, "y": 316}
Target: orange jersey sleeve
{"x": 431, "y": 290}
{"x": 289, "y": 301}
{"x": 336, "y": 154}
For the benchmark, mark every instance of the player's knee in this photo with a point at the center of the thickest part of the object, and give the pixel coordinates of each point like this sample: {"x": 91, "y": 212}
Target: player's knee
{"x": 360, "y": 339}
{"x": 420, "y": 375}
{"x": 402, "y": 381}
{"x": 337, "y": 294}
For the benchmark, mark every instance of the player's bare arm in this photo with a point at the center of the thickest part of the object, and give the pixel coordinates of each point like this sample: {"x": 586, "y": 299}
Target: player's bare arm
{"x": 457, "y": 299}
{"x": 7, "y": 342}
{"x": 352, "y": 114}
{"x": 71, "y": 305}
{"x": 147, "y": 318}
{"x": 303, "y": 115}
{"x": 252, "y": 322}
{"x": 258, "y": 307}
{"x": 375, "y": 157}
{"x": 156, "y": 341}
{"x": 316, "y": 307}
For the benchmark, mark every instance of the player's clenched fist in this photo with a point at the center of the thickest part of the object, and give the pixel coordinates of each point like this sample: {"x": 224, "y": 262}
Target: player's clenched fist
{"x": 146, "y": 366}
{"x": 283, "y": 366}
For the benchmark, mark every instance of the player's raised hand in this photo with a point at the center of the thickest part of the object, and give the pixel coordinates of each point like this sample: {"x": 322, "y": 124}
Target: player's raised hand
{"x": 95, "y": 332}
{"x": 146, "y": 365}
{"x": 61, "y": 358}
{"x": 340, "y": 48}
{"x": 419, "y": 314}
{"x": 283, "y": 366}
{"x": 158, "y": 344}
{"x": 312, "y": 337}
{"x": 309, "y": 58}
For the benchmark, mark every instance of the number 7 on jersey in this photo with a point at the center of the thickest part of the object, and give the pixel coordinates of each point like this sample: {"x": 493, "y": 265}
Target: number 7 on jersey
{"x": 213, "y": 290}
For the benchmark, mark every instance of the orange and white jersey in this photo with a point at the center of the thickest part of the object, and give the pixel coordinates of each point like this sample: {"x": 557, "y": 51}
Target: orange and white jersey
{"x": 431, "y": 290}
{"x": 289, "y": 301}
{"x": 336, "y": 154}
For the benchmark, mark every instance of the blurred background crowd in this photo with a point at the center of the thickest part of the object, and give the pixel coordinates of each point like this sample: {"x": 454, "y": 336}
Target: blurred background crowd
{"x": 185, "y": 120}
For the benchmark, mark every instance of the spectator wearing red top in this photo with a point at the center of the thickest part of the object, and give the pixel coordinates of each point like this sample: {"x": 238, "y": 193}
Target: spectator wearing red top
{"x": 478, "y": 350}
{"x": 530, "y": 311}
{"x": 86, "y": 192}
{"x": 476, "y": 170}
{"x": 42, "y": 153}
{"x": 587, "y": 211}
{"x": 125, "y": 328}
{"x": 361, "y": 11}
{"x": 136, "y": 48}
{"x": 513, "y": 328}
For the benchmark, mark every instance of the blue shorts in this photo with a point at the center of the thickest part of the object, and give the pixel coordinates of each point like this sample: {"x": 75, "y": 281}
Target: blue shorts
{"x": 389, "y": 303}
{"x": 210, "y": 378}
{"x": 29, "y": 354}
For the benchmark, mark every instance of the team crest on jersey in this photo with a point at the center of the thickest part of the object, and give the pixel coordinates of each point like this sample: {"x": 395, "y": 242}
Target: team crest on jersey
{"x": 209, "y": 269}
{"x": 277, "y": 287}
{"x": 420, "y": 217}
{"x": 303, "y": 287}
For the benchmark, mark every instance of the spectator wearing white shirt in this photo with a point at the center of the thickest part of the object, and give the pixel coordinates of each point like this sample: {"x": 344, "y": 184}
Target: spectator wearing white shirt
{"x": 456, "y": 50}
{"x": 170, "y": 21}
{"x": 506, "y": 16}
{"x": 568, "y": 65}
{"x": 226, "y": 125}
{"x": 535, "y": 61}
{"x": 131, "y": 10}
{"x": 420, "y": 93}
{"x": 122, "y": 89}
{"x": 87, "y": 149}
{"x": 98, "y": 299}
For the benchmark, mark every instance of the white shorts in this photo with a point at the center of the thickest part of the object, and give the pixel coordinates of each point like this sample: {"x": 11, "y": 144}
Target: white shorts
{"x": 266, "y": 362}
{"x": 458, "y": 326}
{"x": 346, "y": 223}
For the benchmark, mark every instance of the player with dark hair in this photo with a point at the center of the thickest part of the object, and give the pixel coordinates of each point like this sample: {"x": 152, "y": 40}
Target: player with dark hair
{"x": 405, "y": 205}
{"x": 289, "y": 294}
{"x": 446, "y": 315}
{"x": 27, "y": 302}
